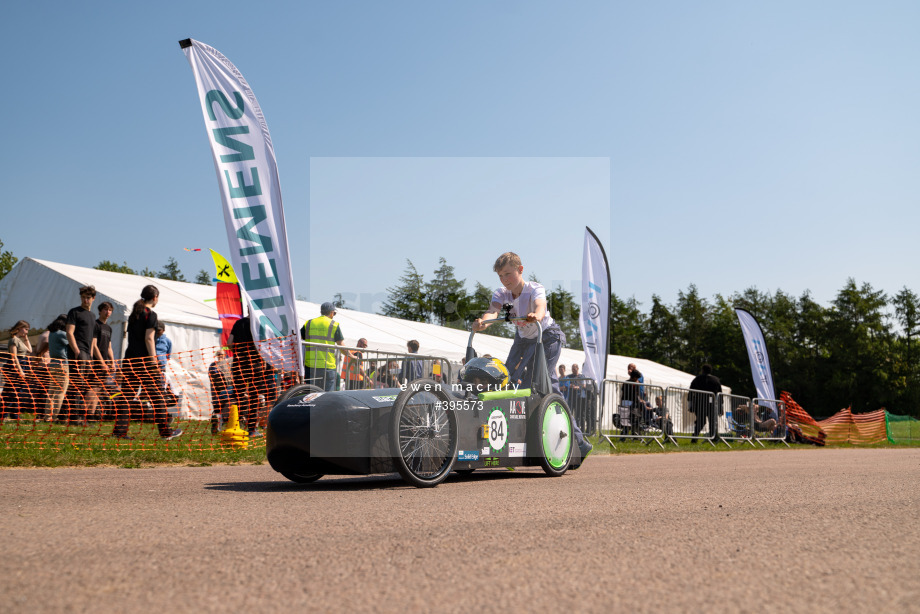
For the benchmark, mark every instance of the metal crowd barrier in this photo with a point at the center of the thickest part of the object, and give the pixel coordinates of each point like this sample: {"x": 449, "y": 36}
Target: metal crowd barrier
{"x": 686, "y": 406}
{"x": 765, "y": 410}
{"x": 630, "y": 410}
{"x": 363, "y": 369}
{"x": 735, "y": 420}
{"x": 581, "y": 395}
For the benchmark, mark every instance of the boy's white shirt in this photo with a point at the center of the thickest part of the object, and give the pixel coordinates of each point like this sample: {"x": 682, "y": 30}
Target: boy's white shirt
{"x": 524, "y": 304}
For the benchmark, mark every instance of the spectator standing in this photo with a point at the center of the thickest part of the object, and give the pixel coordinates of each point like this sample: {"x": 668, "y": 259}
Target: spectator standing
{"x": 105, "y": 357}
{"x": 319, "y": 363}
{"x": 222, "y": 397}
{"x": 248, "y": 371}
{"x": 16, "y": 394}
{"x": 352, "y": 371}
{"x": 103, "y": 370}
{"x": 81, "y": 327}
{"x": 629, "y": 371}
{"x": 630, "y": 395}
{"x": 163, "y": 345}
{"x": 703, "y": 405}
{"x": 576, "y": 386}
{"x": 59, "y": 378}
{"x": 563, "y": 383}
{"x": 40, "y": 382}
{"x": 411, "y": 369}
{"x": 140, "y": 368}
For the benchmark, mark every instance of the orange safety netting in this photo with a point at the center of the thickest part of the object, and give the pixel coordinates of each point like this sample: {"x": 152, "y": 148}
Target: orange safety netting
{"x": 847, "y": 427}
{"x": 842, "y": 427}
{"x": 800, "y": 423}
{"x": 146, "y": 403}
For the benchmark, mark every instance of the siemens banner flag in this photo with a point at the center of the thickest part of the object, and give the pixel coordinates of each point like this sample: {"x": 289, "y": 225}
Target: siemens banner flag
{"x": 595, "y": 308}
{"x": 757, "y": 352}
{"x": 251, "y": 193}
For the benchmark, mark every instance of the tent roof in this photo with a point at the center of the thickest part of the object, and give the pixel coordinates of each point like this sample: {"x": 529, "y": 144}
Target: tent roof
{"x": 38, "y": 290}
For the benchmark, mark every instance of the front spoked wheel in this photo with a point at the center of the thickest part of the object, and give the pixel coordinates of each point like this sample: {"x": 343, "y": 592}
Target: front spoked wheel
{"x": 423, "y": 434}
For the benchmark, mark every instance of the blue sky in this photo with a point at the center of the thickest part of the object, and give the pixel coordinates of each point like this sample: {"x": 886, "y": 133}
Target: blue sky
{"x": 726, "y": 144}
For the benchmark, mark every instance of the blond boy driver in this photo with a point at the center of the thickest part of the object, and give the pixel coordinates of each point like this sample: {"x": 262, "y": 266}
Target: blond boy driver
{"x": 527, "y": 299}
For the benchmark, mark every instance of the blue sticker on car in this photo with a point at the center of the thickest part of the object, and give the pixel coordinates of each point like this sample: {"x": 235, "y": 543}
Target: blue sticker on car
{"x": 468, "y": 455}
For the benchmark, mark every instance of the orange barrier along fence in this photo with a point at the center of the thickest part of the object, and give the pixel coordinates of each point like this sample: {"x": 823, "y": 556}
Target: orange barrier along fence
{"x": 857, "y": 429}
{"x": 183, "y": 402}
{"x": 844, "y": 427}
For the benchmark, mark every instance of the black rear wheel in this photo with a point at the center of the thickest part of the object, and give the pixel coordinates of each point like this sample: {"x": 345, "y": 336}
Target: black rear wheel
{"x": 423, "y": 434}
{"x": 301, "y": 478}
{"x": 298, "y": 390}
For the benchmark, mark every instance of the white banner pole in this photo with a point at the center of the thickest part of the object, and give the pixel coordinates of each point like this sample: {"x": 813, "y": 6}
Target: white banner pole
{"x": 250, "y": 190}
{"x": 757, "y": 353}
{"x": 595, "y": 308}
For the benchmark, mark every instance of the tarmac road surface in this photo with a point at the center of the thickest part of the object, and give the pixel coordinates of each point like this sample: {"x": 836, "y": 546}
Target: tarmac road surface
{"x": 778, "y": 531}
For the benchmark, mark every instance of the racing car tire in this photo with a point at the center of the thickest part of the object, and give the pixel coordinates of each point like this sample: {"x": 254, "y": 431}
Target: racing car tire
{"x": 301, "y": 478}
{"x": 556, "y": 436}
{"x": 405, "y": 425}
{"x": 297, "y": 390}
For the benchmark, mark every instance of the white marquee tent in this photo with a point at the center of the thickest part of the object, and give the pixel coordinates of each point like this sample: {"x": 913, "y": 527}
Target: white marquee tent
{"x": 39, "y": 290}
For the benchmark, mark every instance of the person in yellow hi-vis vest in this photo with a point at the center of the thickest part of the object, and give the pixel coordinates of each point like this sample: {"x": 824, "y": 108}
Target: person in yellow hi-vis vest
{"x": 319, "y": 364}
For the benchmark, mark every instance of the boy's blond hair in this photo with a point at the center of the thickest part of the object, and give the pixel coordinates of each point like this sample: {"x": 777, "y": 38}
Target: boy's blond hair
{"x": 506, "y": 259}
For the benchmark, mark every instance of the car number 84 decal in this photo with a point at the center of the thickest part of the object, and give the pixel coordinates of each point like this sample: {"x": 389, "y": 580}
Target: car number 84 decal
{"x": 498, "y": 429}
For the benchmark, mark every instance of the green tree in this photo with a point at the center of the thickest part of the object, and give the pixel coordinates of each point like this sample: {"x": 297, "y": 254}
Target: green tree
{"x": 148, "y": 272}
{"x": 859, "y": 340}
{"x": 407, "y": 301}
{"x": 626, "y": 326}
{"x": 907, "y": 383}
{"x": 479, "y": 302}
{"x": 447, "y": 298}
{"x": 660, "y": 338}
{"x": 171, "y": 271}
{"x": 108, "y": 265}
{"x": 203, "y": 278}
{"x": 724, "y": 349}
{"x": 693, "y": 316}
{"x": 7, "y": 261}
{"x": 565, "y": 312}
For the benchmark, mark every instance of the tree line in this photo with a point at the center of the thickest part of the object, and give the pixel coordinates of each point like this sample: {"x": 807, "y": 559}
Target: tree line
{"x": 170, "y": 271}
{"x": 859, "y": 351}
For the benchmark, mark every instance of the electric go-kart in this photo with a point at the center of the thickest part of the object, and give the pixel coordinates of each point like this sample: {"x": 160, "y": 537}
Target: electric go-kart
{"x": 425, "y": 429}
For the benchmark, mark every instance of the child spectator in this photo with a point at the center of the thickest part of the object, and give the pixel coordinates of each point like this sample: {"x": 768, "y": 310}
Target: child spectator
{"x": 59, "y": 379}
{"x": 16, "y": 394}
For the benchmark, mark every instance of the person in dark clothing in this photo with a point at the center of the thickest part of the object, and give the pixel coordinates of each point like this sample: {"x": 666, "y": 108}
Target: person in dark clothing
{"x": 702, "y": 403}
{"x": 140, "y": 367}
{"x": 222, "y": 396}
{"x": 80, "y": 329}
{"x": 411, "y": 369}
{"x": 103, "y": 369}
{"x": 248, "y": 371}
{"x": 638, "y": 410}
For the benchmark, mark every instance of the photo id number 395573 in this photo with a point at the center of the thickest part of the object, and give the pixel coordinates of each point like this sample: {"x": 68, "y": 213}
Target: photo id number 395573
{"x": 459, "y": 405}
